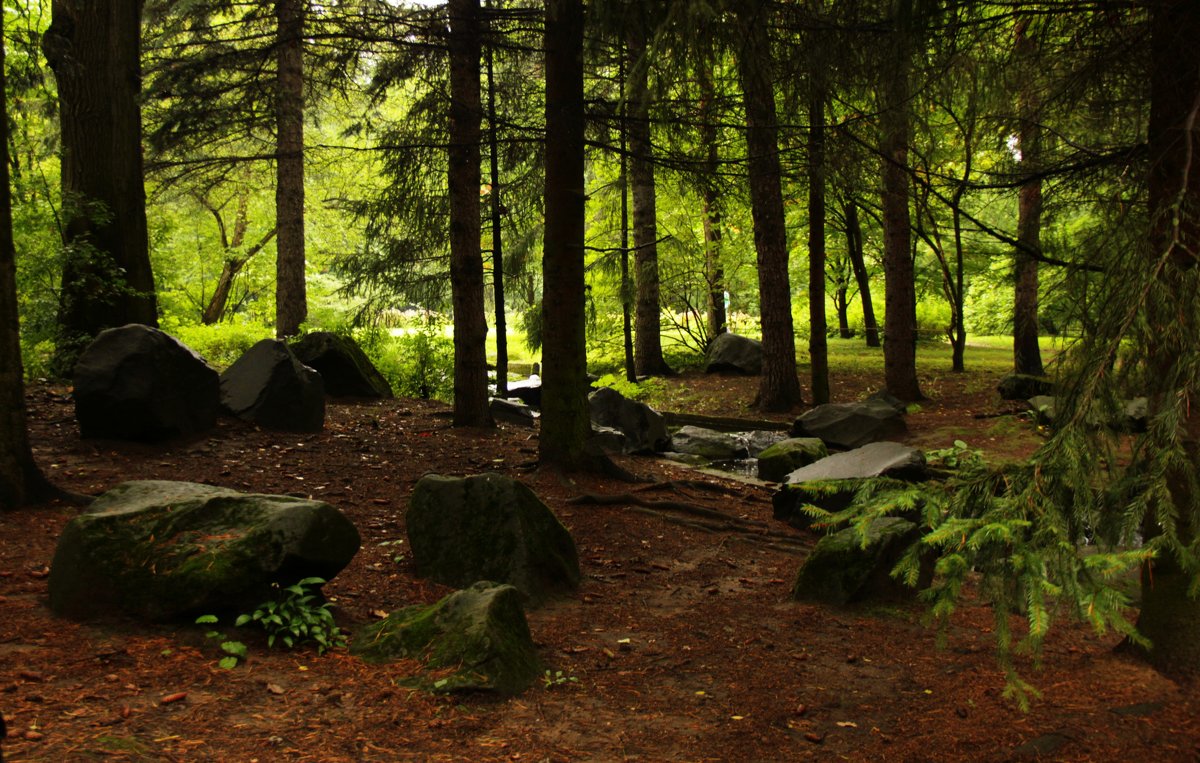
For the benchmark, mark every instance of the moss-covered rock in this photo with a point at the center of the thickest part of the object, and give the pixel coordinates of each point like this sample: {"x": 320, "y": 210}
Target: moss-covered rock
{"x": 489, "y": 527}
{"x": 480, "y": 632}
{"x": 162, "y": 550}
{"x": 840, "y": 570}
{"x": 784, "y": 457}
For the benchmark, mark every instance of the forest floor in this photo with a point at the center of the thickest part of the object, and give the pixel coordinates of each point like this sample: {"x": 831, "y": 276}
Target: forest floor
{"x": 683, "y": 642}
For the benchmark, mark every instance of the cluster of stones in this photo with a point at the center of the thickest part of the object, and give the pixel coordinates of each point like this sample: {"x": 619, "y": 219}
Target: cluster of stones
{"x": 138, "y": 383}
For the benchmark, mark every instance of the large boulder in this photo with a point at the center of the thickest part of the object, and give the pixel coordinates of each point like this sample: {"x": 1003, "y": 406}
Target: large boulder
{"x": 344, "y": 367}
{"x": 786, "y": 456}
{"x": 645, "y": 428}
{"x": 528, "y": 391}
{"x": 489, "y": 527}
{"x": 512, "y": 412}
{"x": 709, "y": 443}
{"x": 479, "y": 633}
{"x": 851, "y": 425}
{"x": 831, "y": 482}
{"x": 760, "y": 439}
{"x": 269, "y": 386}
{"x": 840, "y": 570}
{"x": 163, "y": 550}
{"x": 730, "y": 353}
{"x": 137, "y": 383}
{"x": 1024, "y": 386}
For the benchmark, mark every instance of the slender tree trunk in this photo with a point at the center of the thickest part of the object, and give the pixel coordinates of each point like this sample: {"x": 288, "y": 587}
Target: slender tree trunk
{"x": 626, "y": 285}
{"x": 779, "y": 387}
{"x": 215, "y": 310}
{"x": 565, "y": 422}
{"x": 94, "y": 49}
{"x": 291, "y": 301}
{"x": 900, "y": 315}
{"x": 21, "y": 482}
{"x": 841, "y": 303}
{"x": 466, "y": 259}
{"x": 497, "y": 234}
{"x": 647, "y": 350}
{"x": 854, "y": 245}
{"x": 714, "y": 272}
{"x": 1027, "y": 355}
{"x": 958, "y": 334}
{"x": 818, "y": 350}
{"x": 1170, "y": 615}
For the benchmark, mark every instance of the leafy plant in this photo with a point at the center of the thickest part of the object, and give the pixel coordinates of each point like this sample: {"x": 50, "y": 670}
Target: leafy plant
{"x": 550, "y": 679}
{"x": 957, "y": 456}
{"x": 296, "y": 618}
{"x": 632, "y": 390}
{"x": 235, "y": 651}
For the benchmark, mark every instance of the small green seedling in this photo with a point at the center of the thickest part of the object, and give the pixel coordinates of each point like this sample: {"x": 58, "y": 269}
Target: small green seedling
{"x": 235, "y": 651}
{"x": 296, "y": 618}
{"x": 550, "y": 679}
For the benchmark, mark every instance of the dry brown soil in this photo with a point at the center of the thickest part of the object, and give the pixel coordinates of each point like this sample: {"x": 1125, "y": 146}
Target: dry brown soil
{"x": 683, "y": 641}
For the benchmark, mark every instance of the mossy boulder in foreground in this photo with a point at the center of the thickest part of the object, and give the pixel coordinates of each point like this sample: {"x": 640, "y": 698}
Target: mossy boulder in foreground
{"x": 840, "y": 570}
{"x": 786, "y": 456}
{"x": 480, "y": 632}
{"x": 162, "y": 550}
{"x": 489, "y": 527}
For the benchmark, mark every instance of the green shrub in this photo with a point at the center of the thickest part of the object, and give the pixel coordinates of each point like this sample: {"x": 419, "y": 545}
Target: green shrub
{"x": 222, "y": 343}
{"x": 296, "y": 618}
{"x": 418, "y": 364}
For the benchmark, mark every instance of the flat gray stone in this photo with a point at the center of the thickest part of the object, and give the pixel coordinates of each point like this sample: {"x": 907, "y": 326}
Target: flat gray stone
{"x": 874, "y": 460}
{"x": 709, "y": 443}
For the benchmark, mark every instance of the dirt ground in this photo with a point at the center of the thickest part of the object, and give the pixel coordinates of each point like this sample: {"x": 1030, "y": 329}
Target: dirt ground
{"x": 683, "y": 641}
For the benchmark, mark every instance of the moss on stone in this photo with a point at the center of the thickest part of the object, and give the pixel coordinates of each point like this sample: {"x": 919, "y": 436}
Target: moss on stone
{"x": 480, "y": 633}
{"x": 840, "y": 570}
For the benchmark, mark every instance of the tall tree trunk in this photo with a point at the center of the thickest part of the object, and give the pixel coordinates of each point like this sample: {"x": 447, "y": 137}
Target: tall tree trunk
{"x": 714, "y": 272}
{"x": 647, "y": 350}
{"x": 21, "y": 481}
{"x": 291, "y": 301}
{"x": 565, "y": 421}
{"x": 854, "y": 246}
{"x": 818, "y": 350}
{"x": 626, "y": 284}
{"x": 900, "y": 314}
{"x": 497, "y": 233}
{"x": 94, "y": 49}
{"x": 958, "y": 331}
{"x": 466, "y": 259}
{"x": 1170, "y": 615}
{"x": 1027, "y": 355}
{"x": 779, "y": 387}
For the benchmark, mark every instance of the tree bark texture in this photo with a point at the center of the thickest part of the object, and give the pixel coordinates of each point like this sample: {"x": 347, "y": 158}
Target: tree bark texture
{"x": 466, "y": 257}
{"x": 21, "y": 481}
{"x": 779, "y": 387}
{"x": 1027, "y": 355}
{"x": 818, "y": 349}
{"x": 714, "y": 271}
{"x": 565, "y": 421}
{"x": 291, "y": 300}
{"x": 497, "y": 233}
{"x": 94, "y": 49}
{"x": 1170, "y": 617}
{"x": 647, "y": 350}
{"x": 854, "y": 247}
{"x": 900, "y": 313}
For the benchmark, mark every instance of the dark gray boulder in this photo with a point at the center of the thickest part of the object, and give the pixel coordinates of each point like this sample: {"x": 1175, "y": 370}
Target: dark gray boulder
{"x": 1135, "y": 415}
{"x": 831, "y": 482}
{"x": 1024, "y": 386}
{"x": 137, "y": 383}
{"x": 607, "y": 439}
{"x": 344, "y": 367}
{"x": 271, "y": 388}
{"x": 709, "y": 443}
{"x": 841, "y": 571}
{"x": 528, "y": 391}
{"x": 730, "y": 353}
{"x": 786, "y": 456}
{"x": 512, "y": 412}
{"x": 162, "y": 550}
{"x": 851, "y": 425}
{"x": 645, "y": 428}
{"x": 480, "y": 633}
{"x": 489, "y": 527}
{"x": 759, "y": 440}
